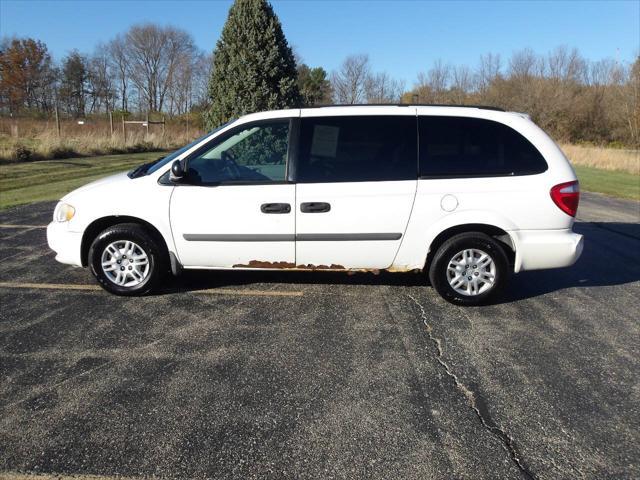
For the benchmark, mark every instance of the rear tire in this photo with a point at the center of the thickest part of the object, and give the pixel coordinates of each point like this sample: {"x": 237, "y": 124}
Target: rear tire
{"x": 126, "y": 260}
{"x": 469, "y": 269}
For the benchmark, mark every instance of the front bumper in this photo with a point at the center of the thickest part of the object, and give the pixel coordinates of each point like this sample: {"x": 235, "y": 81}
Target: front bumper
{"x": 540, "y": 249}
{"x": 66, "y": 244}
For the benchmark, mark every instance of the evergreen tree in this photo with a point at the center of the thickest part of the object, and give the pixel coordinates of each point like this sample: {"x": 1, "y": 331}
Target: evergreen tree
{"x": 253, "y": 68}
{"x": 314, "y": 86}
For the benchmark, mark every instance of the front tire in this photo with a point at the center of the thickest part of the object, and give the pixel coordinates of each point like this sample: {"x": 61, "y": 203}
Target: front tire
{"x": 469, "y": 269}
{"x": 126, "y": 260}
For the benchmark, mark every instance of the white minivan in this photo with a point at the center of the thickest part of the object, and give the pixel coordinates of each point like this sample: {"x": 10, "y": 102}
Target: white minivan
{"x": 468, "y": 194}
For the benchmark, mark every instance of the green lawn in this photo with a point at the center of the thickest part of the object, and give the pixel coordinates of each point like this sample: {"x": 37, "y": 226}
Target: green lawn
{"x": 22, "y": 183}
{"x": 30, "y": 182}
{"x": 614, "y": 183}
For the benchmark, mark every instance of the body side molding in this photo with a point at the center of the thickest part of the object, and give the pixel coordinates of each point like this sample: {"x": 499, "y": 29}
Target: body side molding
{"x": 302, "y": 237}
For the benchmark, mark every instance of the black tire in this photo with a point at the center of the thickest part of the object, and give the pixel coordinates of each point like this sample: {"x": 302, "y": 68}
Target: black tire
{"x": 456, "y": 244}
{"x": 137, "y": 234}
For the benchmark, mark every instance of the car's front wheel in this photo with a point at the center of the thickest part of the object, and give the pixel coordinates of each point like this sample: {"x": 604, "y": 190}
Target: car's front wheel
{"x": 126, "y": 260}
{"x": 469, "y": 269}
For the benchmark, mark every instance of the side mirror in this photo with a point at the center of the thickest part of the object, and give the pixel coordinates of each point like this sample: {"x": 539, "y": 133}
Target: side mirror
{"x": 177, "y": 170}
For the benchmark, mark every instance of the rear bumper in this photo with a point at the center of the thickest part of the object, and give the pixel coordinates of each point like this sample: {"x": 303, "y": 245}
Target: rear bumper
{"x": 540, "y": 249}
{"x": 66, "y": 244}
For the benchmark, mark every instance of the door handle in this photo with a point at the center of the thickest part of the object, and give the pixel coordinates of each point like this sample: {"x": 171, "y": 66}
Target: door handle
{"x": 275, "y": 208}
{"x": 315, "y": 207}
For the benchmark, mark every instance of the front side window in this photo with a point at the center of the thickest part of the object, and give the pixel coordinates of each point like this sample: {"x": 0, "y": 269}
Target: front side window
{"x": 467, "y": 147}
{"x": 255, "y": 153}
{"x": 357, "y": 149}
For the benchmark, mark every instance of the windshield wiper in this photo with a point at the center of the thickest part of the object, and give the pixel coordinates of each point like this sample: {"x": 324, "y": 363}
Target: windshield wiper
{"x": 142, "y": 169}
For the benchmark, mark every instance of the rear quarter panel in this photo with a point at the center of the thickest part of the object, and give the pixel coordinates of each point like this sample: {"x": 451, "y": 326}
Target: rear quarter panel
{"x": 511, "y": 203}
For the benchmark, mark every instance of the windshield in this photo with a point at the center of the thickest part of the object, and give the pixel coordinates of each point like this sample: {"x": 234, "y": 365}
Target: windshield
{"x": 172, "y": 156}
{"x": 154, "y": 166}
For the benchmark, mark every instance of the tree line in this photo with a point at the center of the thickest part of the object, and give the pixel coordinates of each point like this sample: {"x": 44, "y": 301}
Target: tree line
{"x": 575, "y": 99}
{"x": 150, "y": 68}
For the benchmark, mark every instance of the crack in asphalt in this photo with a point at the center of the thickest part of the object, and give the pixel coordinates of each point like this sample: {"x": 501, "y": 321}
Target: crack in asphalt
{"x": 476, "y": 402}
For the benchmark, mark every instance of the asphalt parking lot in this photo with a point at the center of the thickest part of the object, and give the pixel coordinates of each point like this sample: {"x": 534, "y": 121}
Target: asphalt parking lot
{"x": 322, "y": 375}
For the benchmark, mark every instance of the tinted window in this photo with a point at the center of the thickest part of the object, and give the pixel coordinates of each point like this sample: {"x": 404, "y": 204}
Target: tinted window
{"x": 357, "y": 149}
{"x": 255, "y": 153}
{"x": 474, "y": 147}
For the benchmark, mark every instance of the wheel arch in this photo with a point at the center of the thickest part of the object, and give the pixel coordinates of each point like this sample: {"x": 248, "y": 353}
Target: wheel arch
{"x": 497, "y": 233}
{"x": 101, "y": 224}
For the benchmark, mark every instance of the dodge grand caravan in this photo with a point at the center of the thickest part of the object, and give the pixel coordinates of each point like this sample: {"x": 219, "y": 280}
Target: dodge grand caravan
{"x": 468, "y": 194}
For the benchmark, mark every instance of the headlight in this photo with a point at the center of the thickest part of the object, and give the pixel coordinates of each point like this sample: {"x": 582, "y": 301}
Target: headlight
{"x": 63, "y": 212}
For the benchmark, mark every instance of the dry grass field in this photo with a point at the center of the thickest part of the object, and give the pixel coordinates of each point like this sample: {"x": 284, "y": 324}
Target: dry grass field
{"x": 26, "y": 139}
{"x": 603, "y": 158}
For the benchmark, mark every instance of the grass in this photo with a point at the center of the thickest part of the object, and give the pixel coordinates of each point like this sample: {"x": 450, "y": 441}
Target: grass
{"x": 614, "y": 183}
{"x": 610, "y": 171}
{"x": 22, "y": 183}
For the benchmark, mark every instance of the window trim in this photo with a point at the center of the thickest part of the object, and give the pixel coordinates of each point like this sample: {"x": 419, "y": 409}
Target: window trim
{"x": 229, "y": 133}
{"x": 445, "y": 176}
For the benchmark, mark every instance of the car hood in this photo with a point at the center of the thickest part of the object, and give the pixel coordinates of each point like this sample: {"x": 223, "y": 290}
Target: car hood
{"x": 109, "y": 181}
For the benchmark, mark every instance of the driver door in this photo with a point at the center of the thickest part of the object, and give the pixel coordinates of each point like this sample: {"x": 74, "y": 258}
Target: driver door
{"x": 234, "y": 208}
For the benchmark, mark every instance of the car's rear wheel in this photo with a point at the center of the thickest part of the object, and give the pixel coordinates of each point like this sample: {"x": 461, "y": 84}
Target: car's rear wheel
{"x": 469, "y": 269}
{"x": 126, "y": 260}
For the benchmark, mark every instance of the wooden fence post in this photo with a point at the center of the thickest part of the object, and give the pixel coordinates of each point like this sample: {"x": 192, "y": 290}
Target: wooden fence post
{"x": 57, "y": 121}
{"x": 147, "y": 135}
{"x": 111, "y": 123}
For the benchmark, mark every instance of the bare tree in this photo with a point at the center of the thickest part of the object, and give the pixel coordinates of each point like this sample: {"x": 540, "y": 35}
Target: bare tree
{"x": 153, "y": 55}
{"x": 119, "y": 67}
{"x": 350, "y": 80}
{"x": 439, "y": 76}
{"x": 523, "y": 64}
{"x": 189, "y": 82}
{"x": 626, "y": 94}
{"x": 488, "y": 70}
{"x": 462, "y": 83}
{"x": 632, "y": 103}
{"x": 200, "y": 80}
{"x": 565, "y": 64}
{"x": 604, "y": 72}
{"x": 382, "y": 88}
{"x": 432, "y": 86}
{"x": 100, "y": 82}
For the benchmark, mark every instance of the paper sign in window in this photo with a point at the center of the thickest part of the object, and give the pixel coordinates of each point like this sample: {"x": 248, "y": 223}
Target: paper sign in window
{"x": 325, "y": 141}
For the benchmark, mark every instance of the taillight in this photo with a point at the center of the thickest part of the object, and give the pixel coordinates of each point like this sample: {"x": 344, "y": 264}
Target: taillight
{"x": 566, "y": 196}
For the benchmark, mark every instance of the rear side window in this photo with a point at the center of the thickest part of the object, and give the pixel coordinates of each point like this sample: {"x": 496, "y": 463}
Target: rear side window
{"x": 357, "y": 149}
{"x": 469, "y": 147}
